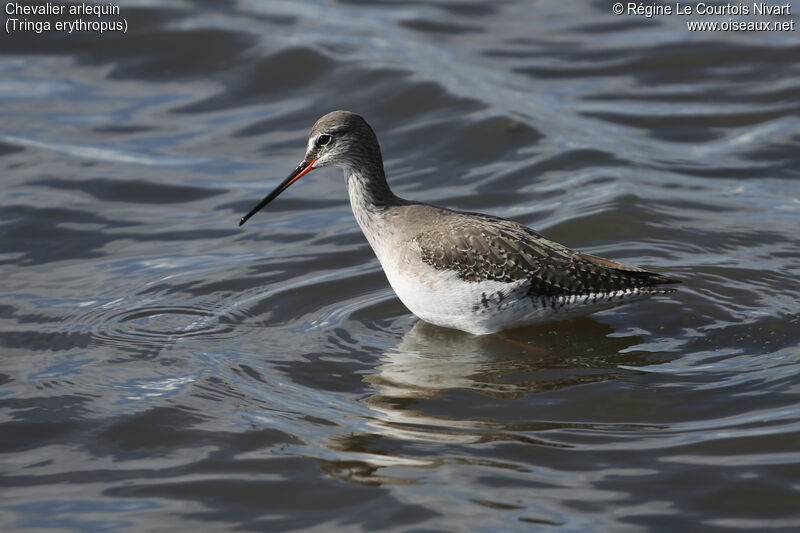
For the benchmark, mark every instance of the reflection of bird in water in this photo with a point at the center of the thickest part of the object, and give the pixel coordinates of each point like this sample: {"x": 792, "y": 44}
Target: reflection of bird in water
{"x": 467, "y": 271}
{"x": 433, "y": 388}
{"x": 430, "y": 359}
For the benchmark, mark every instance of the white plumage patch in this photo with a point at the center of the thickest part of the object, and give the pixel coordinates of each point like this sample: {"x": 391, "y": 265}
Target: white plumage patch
{"x": 442, "y": 298}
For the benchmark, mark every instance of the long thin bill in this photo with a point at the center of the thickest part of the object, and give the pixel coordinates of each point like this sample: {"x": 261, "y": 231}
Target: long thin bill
{"x": 301, "y": 170}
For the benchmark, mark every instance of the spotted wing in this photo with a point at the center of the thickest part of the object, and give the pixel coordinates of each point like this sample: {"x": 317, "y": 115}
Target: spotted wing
{"x": 480, "y": 247}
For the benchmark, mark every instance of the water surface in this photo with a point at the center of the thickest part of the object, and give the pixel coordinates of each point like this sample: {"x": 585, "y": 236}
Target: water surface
{"x": 164, "y": 369}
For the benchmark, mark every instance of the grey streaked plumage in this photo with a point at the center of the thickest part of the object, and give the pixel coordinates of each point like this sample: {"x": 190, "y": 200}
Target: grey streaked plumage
{"x": 469, "y": 271}
{"x": 481, "y": 247}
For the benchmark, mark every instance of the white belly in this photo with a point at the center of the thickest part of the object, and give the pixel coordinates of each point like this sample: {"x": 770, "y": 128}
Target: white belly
{"x": 480, "y": 308}
{"x": 440, "y": 298}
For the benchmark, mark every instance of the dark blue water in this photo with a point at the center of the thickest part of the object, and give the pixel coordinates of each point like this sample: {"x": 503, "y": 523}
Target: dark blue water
{"x": 163, "y": 369}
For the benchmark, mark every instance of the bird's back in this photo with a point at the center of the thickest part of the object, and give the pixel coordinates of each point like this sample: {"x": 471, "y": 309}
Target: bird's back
{"x": 480, "y": 247}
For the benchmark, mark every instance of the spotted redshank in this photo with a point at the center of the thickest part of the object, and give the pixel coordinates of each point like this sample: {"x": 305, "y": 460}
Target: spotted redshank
{"x": 468, "y": 271}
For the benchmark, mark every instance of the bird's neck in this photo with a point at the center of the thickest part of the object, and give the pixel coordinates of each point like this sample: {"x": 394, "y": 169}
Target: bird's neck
{"x": 369, "y": 192}
{"x": 371, "y": 198}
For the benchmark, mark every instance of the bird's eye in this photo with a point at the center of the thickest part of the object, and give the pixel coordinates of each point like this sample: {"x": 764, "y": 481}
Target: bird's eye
{"x": 323, "y": 139}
